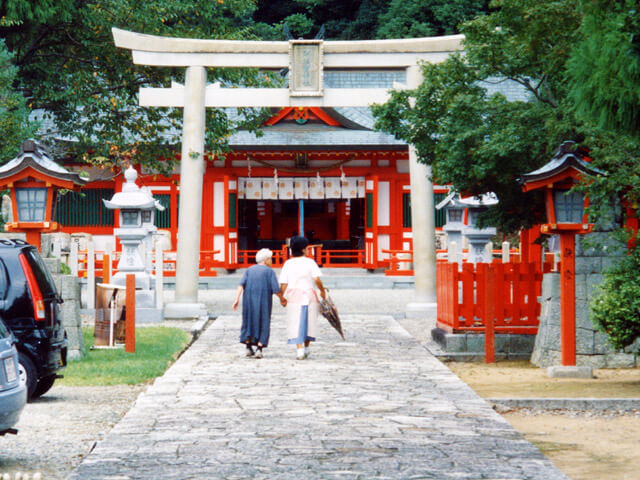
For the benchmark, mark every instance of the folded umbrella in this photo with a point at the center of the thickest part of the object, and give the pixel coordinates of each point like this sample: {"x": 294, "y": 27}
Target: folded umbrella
{"x": 329, "y": 311}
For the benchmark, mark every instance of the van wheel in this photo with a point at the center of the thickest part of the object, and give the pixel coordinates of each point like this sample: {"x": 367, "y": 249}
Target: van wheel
{"x": 28, "y": 374}
{"x": 44, "y": 385}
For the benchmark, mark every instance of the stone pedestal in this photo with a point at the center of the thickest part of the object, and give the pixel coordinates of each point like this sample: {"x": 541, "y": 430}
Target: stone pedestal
{"x": 69, "y": 289}
{"x": 592, "y": 349}
{"x": 569, "y": 372}
{"x": 185, "y": 311}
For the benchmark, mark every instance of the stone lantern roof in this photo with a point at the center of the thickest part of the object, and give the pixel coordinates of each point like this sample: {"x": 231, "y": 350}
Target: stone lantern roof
{"x": 451, "y": 200}
{"x": 132, "y": 196}
{"x": 484, "y": 200}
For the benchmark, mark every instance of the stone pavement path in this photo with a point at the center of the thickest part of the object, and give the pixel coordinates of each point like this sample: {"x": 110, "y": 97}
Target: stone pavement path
{"x": 378, "y": 406}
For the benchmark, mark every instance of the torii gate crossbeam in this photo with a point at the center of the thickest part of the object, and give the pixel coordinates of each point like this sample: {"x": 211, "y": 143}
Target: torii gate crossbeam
{"x": 306, "y": 60}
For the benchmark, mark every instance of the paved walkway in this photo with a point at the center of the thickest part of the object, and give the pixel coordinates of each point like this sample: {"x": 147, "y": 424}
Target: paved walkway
{"x": 378, "y": 406}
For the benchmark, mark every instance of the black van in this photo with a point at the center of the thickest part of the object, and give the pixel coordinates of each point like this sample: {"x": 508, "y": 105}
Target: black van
{"x": 29, "y": 304}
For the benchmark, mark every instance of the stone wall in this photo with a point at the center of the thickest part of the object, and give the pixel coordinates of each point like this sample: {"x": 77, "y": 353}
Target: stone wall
{"x": 69, "y": 289}
{"x": 592, "y": 349}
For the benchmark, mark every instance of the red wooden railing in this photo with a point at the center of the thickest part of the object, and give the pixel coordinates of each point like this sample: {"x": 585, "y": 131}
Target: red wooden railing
{"x": 208, "y": 263}
{"x": 246, "y": 258}
{"x": 341, "y": 258}
{"x": 400, "y": 262}
{"x": 324, "y": 258}
{"x": 462, "y": 301}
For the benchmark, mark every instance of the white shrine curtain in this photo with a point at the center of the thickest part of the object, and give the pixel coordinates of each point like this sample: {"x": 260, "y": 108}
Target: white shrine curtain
{"x": 296, "y": 188}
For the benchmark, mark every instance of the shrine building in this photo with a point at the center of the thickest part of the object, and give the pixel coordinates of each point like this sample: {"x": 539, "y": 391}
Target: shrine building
{"x": 317, "y": 170}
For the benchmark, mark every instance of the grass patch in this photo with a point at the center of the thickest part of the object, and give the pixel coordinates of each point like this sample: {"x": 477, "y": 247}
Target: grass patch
{"x": 156, "y": 349}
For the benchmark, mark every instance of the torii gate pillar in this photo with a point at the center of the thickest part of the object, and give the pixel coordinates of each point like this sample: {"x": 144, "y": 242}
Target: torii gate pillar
{"x": 192, "y": 168}
{"x": 422, "y": 226}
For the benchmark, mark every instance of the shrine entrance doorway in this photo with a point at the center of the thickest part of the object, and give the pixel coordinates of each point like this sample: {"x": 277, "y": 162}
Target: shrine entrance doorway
{"x": 334, "y": 227}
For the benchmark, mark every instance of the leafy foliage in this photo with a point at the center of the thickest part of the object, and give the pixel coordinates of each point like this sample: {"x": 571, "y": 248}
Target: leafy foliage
{"x": 481, "y": 142}
{"x": 306, "y": 18}
{"x": 14, "y": 113}
{"x": 426, "y": 18}
{"x": 616, "y": 307}
{"x": 365, "y": 19}
{"x": 70, "y": 68}
{"x": 604, "y": 68}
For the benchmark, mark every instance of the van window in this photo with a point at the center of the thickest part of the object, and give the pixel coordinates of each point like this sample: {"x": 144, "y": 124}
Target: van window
{"x": 41, "y": 272}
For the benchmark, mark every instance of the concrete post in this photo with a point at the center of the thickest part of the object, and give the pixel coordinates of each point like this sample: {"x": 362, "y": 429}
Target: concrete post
{"x": 489, "y": 249}
{"x": 73, "y": 258}
{"x": 506, "y": 252}
{"x": 191, "y": 176}
{"x": 422, "y": 226}
{"x": 452, "y": 254}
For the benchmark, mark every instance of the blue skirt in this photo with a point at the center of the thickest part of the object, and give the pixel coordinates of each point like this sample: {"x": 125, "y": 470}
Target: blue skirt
{"x": 303, "y": 328}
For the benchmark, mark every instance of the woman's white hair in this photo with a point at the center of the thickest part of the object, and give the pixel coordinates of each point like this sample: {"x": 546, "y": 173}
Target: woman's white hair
{"x": 263, "y": 254}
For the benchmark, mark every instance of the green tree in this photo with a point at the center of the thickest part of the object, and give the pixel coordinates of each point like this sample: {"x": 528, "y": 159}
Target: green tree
{"x": 365, "y": 19}
{"x": 14, "y": 112}
{"x": 604, "y": 68}
{"x": 70, "y": 69}
{"x": 481, "y": 142}
{"x": 426, "y": 18}
{"x": 306, "y": 18}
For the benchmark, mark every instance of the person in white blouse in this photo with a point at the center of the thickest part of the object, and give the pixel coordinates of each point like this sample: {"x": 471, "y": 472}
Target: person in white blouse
{"x": 299, "y": 278}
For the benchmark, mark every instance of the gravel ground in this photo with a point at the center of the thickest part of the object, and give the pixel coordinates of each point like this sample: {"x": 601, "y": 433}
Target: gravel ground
{"x": 56, "y": 431}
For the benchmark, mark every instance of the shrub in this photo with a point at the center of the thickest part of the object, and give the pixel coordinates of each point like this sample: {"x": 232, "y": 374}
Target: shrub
{"x": 616, "y": 306}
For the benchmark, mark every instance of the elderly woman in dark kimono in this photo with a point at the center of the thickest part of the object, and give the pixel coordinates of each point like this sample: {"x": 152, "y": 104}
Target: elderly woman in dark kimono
{"x": 259, "y": 283}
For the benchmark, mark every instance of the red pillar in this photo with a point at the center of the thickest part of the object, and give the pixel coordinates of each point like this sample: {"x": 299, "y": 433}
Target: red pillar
{"x": 489, "y": 316}
{"x": 106, "y": 263}
{"x": 529, "y": 250}
{"x": 33, "y": 237}
{"x": 130, "y": 318}
{"x": 568, "y": 299}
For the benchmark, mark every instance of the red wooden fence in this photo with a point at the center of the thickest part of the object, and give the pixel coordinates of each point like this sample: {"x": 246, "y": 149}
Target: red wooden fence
{"x": 462, "y": 298}
{"x": 324, "y": 258}
{"x": 208, "y": 263}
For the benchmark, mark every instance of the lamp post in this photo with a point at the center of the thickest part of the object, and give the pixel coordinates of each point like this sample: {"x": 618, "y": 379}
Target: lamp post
{"x": 34, "y": 179}
{"x": 566, "y": 217}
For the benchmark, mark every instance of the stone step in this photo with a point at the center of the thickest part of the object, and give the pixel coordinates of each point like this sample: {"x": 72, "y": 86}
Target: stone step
{"x": 331, "y": 281}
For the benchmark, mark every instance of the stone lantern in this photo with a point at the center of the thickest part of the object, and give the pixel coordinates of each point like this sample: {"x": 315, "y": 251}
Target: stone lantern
{"x": 454, "y": 212}
{"x": 137, "y": 211}
{"x": 478, "y": 237}
{"x": 34, "y": 180}
{"x": 566, "y": 217}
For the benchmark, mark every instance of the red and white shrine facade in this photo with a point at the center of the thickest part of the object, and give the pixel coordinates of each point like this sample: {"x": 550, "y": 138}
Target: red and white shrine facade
{"x": 322, "y": 171}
